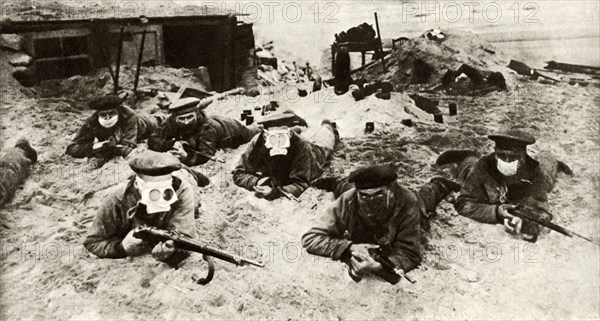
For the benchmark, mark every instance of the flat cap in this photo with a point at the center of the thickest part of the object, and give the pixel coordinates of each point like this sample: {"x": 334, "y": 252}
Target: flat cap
{"x": 286, "y": 119}
{"x": 512, "y": 138}
{"x": 373, "y": 176}
{"x": 184, "y": 105}
{"x": 106, "y": 102}
{"x": 153, "y": 163}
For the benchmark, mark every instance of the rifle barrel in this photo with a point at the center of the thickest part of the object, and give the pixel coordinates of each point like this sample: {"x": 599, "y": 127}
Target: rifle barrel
{"x": 555, "y": 227}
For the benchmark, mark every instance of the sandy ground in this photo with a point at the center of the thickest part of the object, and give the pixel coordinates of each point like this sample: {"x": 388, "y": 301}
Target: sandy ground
{"x": 470, "y": 270}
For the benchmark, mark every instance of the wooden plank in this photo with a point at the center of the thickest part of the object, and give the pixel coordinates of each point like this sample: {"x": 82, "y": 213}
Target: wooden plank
{"x": 50, "y": 25}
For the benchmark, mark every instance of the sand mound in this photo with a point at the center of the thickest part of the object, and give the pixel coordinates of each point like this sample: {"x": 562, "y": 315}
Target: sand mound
{"x": 457, "y": 49}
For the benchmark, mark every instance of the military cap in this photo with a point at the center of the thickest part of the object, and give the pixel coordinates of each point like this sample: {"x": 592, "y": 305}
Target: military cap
{"x": 184, "y": 105}
{"x": 373, "y": 176}
{"x": 286, "y": 119}
{"x": 512, "y": 138}
{"x": 153, "y": 163}
{"x": 106, "y": 102}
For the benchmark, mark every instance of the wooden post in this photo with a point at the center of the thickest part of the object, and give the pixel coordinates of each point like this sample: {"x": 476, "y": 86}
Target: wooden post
{"x": 229, "y": 57}
{"x": 380, "y": 44}
{"x": 139, "y": 62}
{"x": 363, "y": 57}
{"x": 118, "y": 68}
{"x": 333, "y": 60}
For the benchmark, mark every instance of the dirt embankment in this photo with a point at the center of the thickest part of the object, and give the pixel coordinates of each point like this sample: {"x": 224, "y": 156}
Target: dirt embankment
{"x": 434, "y": 58}
{"x": 470, "y": 270}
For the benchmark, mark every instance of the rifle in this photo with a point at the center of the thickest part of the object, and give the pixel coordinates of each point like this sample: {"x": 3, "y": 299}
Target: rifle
{"x": 287, "y": 195}
{"x": 389, "y": 271}
{"x": 154, "y": 235}
{"x": 187, "y": 147}
{"x": 523, "y": 212}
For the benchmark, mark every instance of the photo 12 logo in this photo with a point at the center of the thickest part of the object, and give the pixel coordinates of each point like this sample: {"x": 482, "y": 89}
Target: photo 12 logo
{"x": 271, "y": 11}
{"x": 471, "y": 11}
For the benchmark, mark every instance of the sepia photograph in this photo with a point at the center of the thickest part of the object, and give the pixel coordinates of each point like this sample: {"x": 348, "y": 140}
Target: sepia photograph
{"x": 300, "y": 160}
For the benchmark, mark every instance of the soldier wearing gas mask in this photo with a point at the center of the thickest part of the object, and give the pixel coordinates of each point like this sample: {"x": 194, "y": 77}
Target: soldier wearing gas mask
{"x": 112, "y": 130}
{"x": 496, "y": 184}
{"x": 280, "y": 161}
{"x": 374, "y": 212}
{"x": 193, "y": 137}
{"x": 161, "y": 194}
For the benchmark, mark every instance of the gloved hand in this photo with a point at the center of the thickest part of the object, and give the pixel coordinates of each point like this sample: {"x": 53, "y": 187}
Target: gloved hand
{"x": 178, "y": 151}
{"x": 362, "y": 264}
{"x": 512, "y": 224}
{"x": 104, "y": 149}
{"x": 531, "y": 230}
{"x": 265, "y": 188}
{"x": 134, "y": 246}
{"x": 163, "y": 250}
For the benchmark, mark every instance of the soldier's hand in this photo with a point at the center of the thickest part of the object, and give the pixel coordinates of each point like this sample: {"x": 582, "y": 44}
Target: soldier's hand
{"x": 362, "y": 249}
{"x": 362, "y": 264}
{"x": 512, "y": 224}
{"x": 262, "y": 191}
{"x": 503, "y": 210}
{"x": 99, "y": 144}
{"x": 179, "y": 152}
{"x": 163, "y": 250}
{"x": 133, "y": 246}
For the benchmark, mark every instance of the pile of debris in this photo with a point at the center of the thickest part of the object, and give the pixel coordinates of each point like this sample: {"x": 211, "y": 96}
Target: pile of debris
{"x": 12, "y": 46}
{"x": 457, "y": 62}
{"x": 274, "y": 72}
{"x": 555, "y": 72}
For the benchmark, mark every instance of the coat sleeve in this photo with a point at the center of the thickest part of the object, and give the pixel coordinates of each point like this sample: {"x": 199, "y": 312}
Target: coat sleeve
{"x": 406, "y": 252}
{"x": 161, "y": 140}
{"x": 300, "y": 175}
{"x": 129, "y": 136}
{"x": 183, "y": 222}
{"x": 105, "y": 236}
{"x": 82, "y": 143}
{"x": 244, "y": 174}
{"x": 130, "y": 132}
{"x": 205, "y": 145}
{"x": 473, "y": 201}
{"x": 327, "y": 237}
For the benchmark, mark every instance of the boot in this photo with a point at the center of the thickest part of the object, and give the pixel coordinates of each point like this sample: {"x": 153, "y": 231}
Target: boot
{"x": 562, "y": 167}
{"x": 336, "y": 184}
{"x": 447, "y": 185}
{"x": 334, "y": 129}
{"x": 455, "y": 156}
{"x": 27, "y": 149}
{"x": 435, "y": 191}
{"x": 327, "y": 183}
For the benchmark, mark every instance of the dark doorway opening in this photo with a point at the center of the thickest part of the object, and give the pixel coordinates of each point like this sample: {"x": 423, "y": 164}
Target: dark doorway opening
{"x": 196, "y": 46}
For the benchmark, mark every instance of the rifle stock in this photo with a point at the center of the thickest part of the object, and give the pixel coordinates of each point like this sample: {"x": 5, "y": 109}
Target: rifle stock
{"x": 390, "y": 271}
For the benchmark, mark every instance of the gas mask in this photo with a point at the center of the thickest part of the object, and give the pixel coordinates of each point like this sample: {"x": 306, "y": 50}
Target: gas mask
{"x": 277, "y": 141}
{"x": 108, "y": 123}
{"x": 187, "y": 121}
{"x": 507, "y": 169}
{"x": 375, "y": 209}
{"x": 157, "y": 196}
